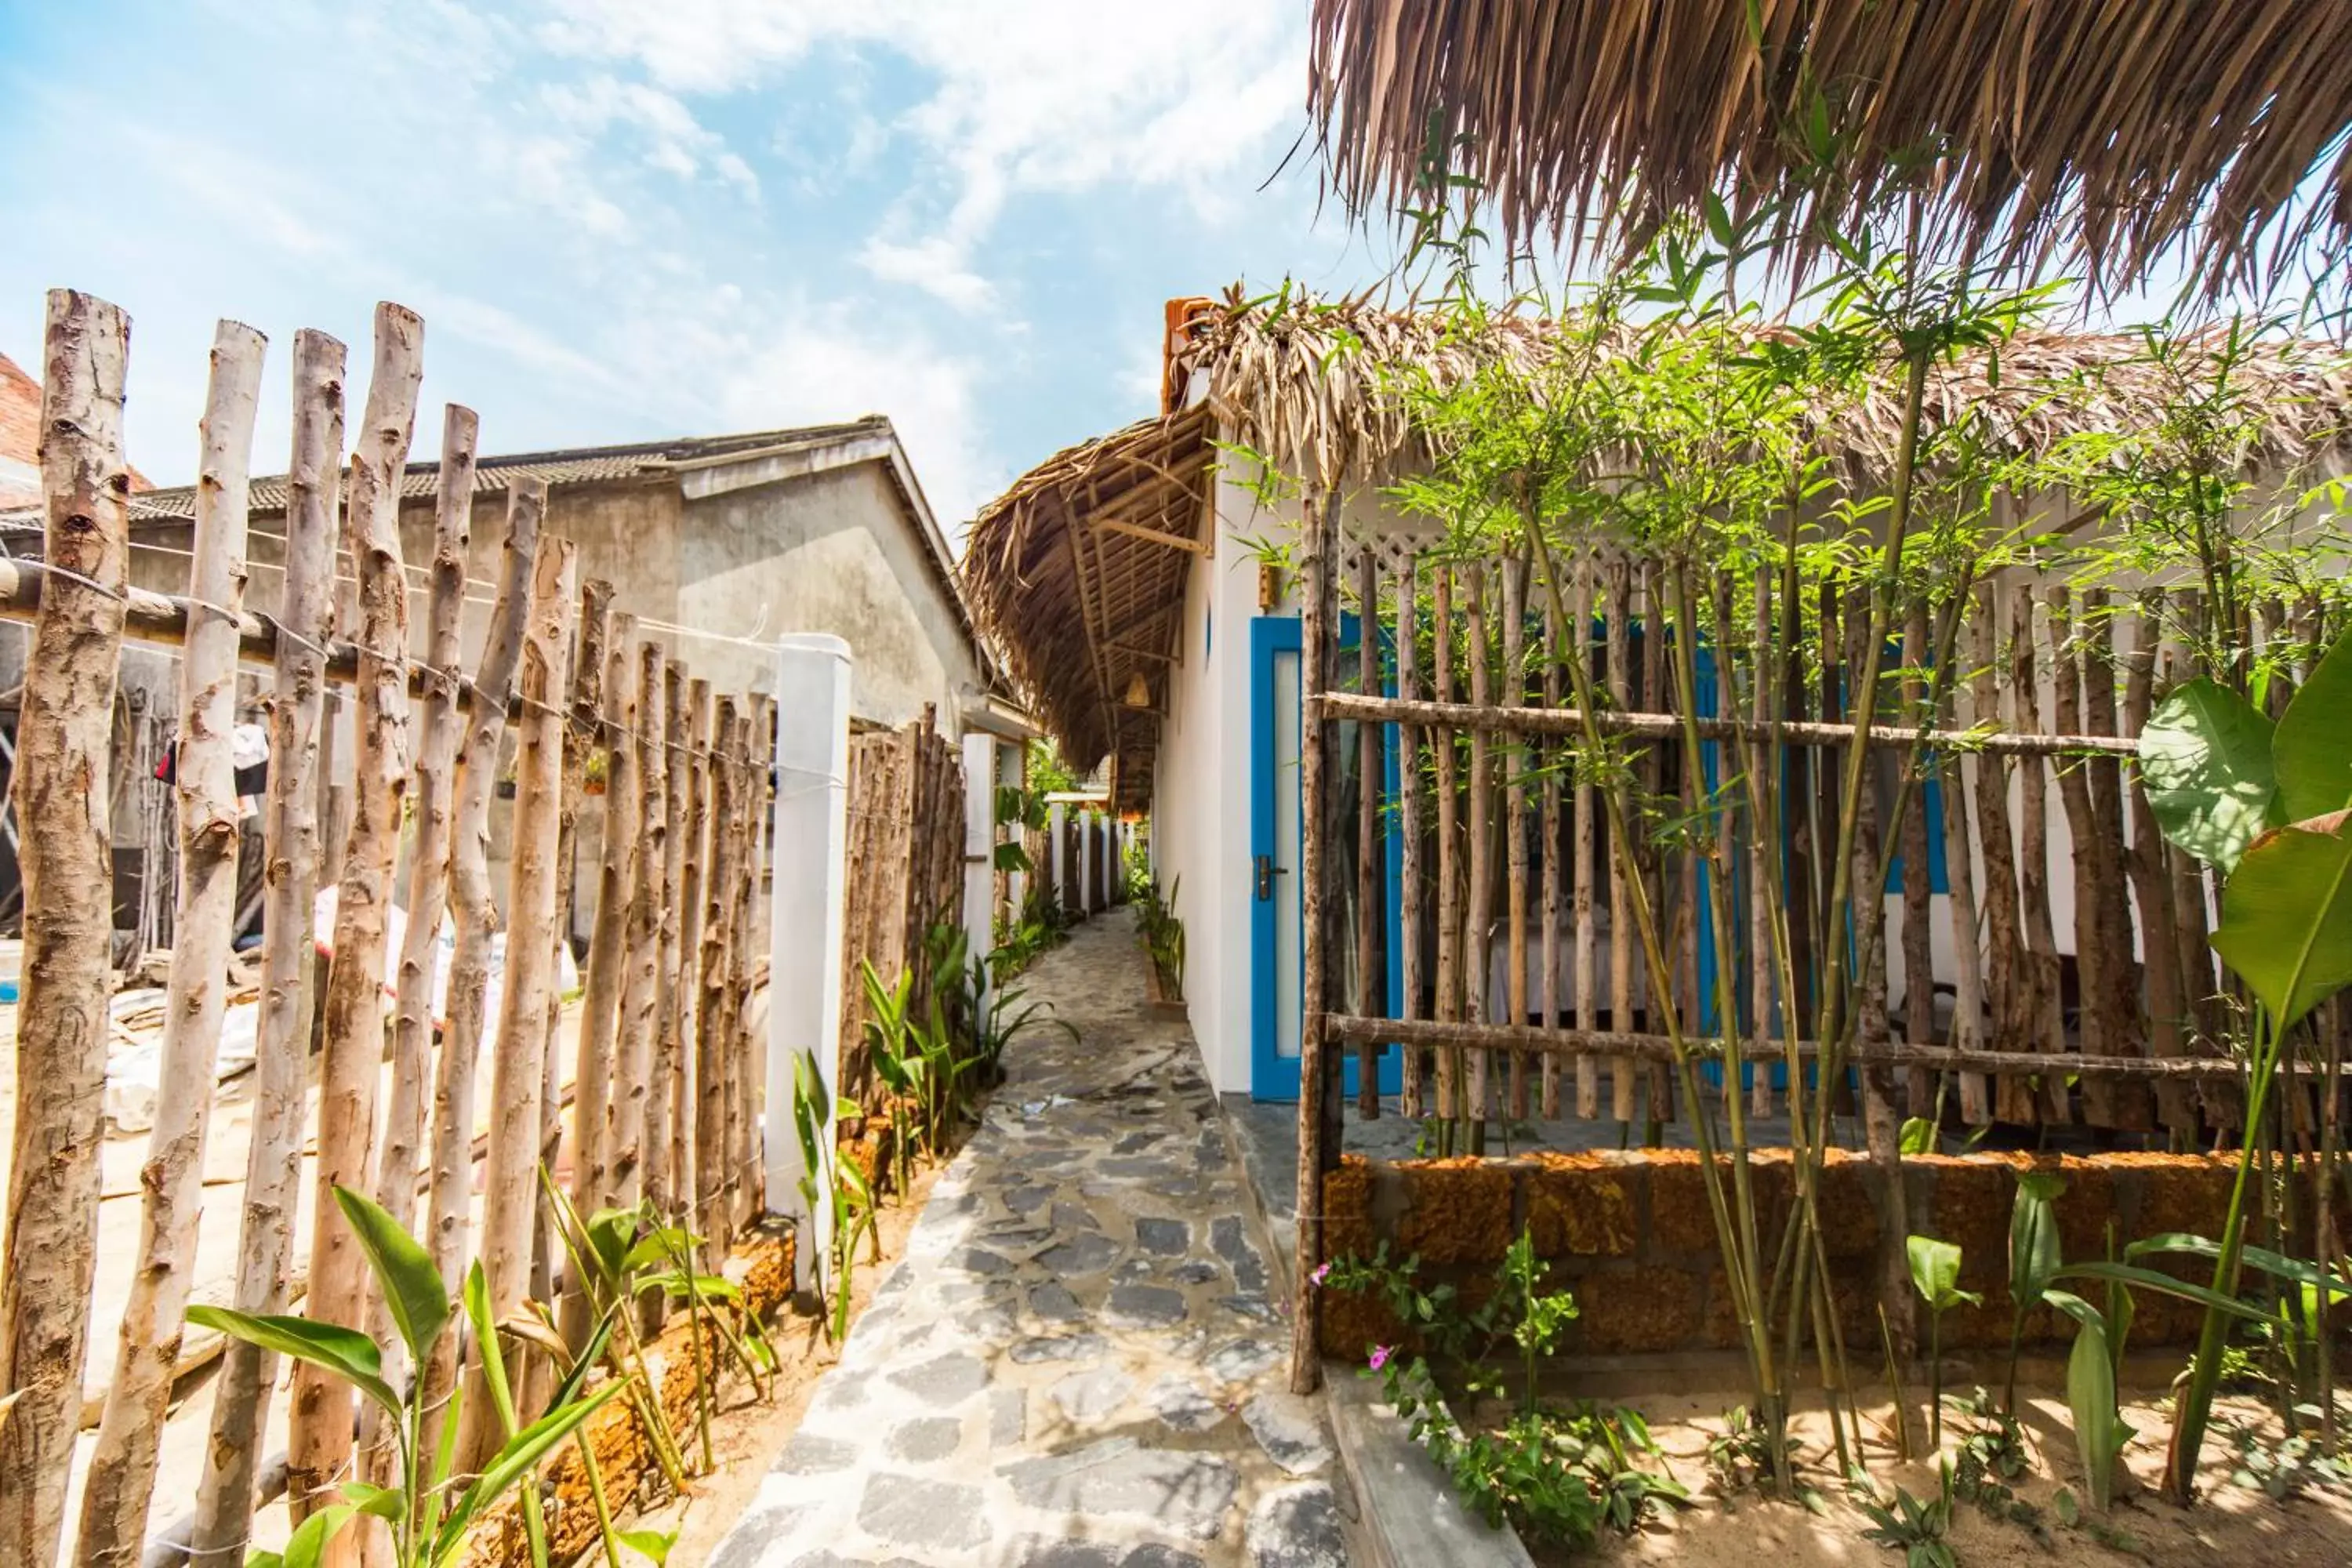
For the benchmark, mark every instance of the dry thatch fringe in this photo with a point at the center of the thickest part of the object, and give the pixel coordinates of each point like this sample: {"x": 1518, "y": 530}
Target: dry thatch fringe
{"x": 1319, "y": 388}
{"x": 2091, "y": 134}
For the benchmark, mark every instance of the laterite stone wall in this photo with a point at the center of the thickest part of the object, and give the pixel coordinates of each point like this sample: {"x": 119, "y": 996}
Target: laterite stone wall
{"x": 1630, "y": 1233}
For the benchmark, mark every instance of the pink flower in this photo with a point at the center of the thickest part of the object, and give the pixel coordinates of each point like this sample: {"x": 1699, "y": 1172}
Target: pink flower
{"x": 1322, "y": 1272}
{"x": 1381, "y": 1355}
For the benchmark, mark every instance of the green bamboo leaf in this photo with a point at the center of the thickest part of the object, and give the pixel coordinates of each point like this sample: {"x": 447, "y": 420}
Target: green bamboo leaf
{"x": 2205, "y": 760}
{"x": 486, "y": 1343}
{"x": 2289, "y": 1268}
{"x": 523, "y": 1450}
{"x": 653, "y": 1544}
{"x": 412, "y": 1291}
{"x": 379, "y": 1502}
{"x": 2286, "y": 917}
{"x": 346, "y": 1352}
{"x": 2311, "y": 751}
{"x": 2164, "y": 1284}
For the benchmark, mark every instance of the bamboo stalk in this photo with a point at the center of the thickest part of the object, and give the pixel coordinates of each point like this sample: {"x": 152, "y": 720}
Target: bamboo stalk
{"x": 225, "y": 1492}
{"x": 2151, "y": 887}
{"x": 1371, "y": 904}
{"x": 1763, "y": 838}
{"x": 1960, "y": 877}
{"x": 1659, "y": 991}
{"x": 1580, "y": 648}
{"x": 2093, "y": 957}
{"x": 2126, "y": 1023}
{"x": 1515, "y": 819}
{"x": 2007, "y": 982}
{"x": 1620, "y": 917}
{"x": 62, "y": 749}
{"x": 1479, "y": 918}
{"x": 120, "y": 1479}
{"x": 320, "y": 1440}
{"x": 1449, "y": 882}
{"x": 639, "y": 1114}
{"x": 1893, "y": 1055}
{"x": 595, "y": 1182}
{"x": 1315, "y": 537}
{"x": 2045, "y": 1020}
{"x": 474, "y": 915}
{"x": 511, "y": 1205}
{"x": 1918, "y": 951}
{"x": 1549, "y": 827}
{"x": 1409, "y": 899}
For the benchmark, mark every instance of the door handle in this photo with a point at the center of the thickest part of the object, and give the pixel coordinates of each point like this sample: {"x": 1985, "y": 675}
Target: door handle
{"x": 1266, "y": 872}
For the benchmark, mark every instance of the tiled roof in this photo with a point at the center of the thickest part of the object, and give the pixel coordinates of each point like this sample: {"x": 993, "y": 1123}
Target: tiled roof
{"x": 578, "y": 466}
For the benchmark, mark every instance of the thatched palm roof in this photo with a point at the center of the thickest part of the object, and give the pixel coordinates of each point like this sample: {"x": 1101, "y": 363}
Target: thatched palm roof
{"x": 2098, "y": 133}
{"x": 1078, "y": 572}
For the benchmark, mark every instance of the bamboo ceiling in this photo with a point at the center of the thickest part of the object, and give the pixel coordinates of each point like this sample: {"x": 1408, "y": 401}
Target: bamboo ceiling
{"x": 2090, "y": 133}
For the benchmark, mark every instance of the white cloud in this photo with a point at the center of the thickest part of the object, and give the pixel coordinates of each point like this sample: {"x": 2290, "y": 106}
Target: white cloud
{"x": 1028, "y": 95}
{"x": 672, "y": 141}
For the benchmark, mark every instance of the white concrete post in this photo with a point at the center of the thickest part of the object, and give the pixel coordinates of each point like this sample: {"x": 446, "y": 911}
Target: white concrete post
{"x": 1089, "y": 852}
{"x": 812, "y": 839}
{"x": 1016, "y": 885}
{"x": 980, "y": 852}
{"x": 1054, "y": 819}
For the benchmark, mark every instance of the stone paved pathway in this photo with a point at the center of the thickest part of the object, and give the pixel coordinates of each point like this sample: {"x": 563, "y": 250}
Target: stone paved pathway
{"x": 1079, "y": 1363}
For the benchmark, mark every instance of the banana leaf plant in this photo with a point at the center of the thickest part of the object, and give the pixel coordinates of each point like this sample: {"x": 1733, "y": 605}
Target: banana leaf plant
{"x": 1936, "y": 1275}
{"x": 2267, "y": 807}
{"x": 427, "y": 1527}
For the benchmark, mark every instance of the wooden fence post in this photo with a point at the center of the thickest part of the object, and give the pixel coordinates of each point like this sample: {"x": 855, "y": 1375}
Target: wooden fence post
{"x": 713, "y": 1035}
{"x": 320, "y": 1441}
{"x": 665, "y": 1153}
{"x": 1306, "y": 1354}
{"x": 641, "y": 978}
{"x": 600, "y": 1009}
{"x": 511, "y": 1203}
{"x": 62, "y": 745}
{"x": 121, "y": 1476}
{"x": 282, "y": 1041}
{"x": 473, "y": 912}
{"x": 751, "y": 1046}
{"x": 692, "y": 871}
{"x": 405, "y": 1119}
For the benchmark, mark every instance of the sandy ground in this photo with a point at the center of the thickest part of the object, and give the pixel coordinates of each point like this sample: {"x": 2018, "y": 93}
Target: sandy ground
{"x": 2229, "y": 1525}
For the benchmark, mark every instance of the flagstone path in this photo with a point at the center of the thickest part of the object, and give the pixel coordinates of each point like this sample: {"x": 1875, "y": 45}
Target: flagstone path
{"x": 1080, "y": 1362}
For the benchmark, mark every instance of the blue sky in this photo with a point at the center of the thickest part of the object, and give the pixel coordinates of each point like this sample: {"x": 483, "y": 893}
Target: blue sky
{"x": 623, "y": 219}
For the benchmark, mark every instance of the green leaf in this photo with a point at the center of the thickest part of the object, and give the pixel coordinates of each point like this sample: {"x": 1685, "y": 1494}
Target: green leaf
{"x": 381, "y": 1502}
{"x": 2205, "y": 760}
{"x": 651, "y": 1544}
{"x": 1936, "y": 1272}
{"x": 485, "y": 1341}
{"x": 523, "y": 1450}
{"x": 2033, "y": 1238}
{"x": 2286, "y": 917}
{"x": 346, "y": 1352}
{"x": 1011, "y": 856}
{"x": 2100, "y": 1430}
{"x": 2311, "y": 751}
{"x": 2274, "y": 1264}
{"x": 2163, "y": 1284}
{"x": 1919, "y": 1136}
{"x": 307, "y": 1545}
{"x": 412, "y": 1291}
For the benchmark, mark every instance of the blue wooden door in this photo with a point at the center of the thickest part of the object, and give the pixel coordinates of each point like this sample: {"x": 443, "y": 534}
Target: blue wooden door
{"x": 1276, "y": 836}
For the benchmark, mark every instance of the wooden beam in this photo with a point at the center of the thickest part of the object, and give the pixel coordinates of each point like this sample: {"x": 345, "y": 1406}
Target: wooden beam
{"x": 1152, "y": 535}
